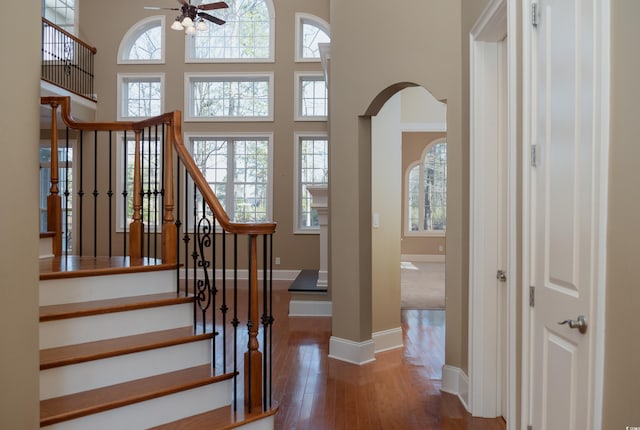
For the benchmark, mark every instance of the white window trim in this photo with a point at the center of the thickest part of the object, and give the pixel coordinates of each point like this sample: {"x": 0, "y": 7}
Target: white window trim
{"x": 132, "y": 35}
{"x": 405, "y": 221}
{"x": 297, "y": 136}
{"x": 319, "y": 22}
{"x": 188, "y": 116}
{"x": 120, "y": 219}
{"x": 298, "y": 76}
{"x": 122, "y": 77}
{"x": 267, "y": 135}
{"x": 272, "y": 45}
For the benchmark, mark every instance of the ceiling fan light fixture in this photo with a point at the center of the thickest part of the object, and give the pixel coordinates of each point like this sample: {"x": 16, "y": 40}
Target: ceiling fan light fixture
{"x": 190, "y": 30}
{"x": 187, "y": 22}
{"x": 177, "y": 25}
{"x": 202, "y": 26}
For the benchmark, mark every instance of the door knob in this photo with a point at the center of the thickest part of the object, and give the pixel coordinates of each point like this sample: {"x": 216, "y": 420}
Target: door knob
{"x": 580, "y": 324}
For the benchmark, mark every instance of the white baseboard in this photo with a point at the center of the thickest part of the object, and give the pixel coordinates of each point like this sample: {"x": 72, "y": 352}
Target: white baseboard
{"x": 424, "y": 258}
{"x": 310, "y": 308}
{"x": 350, "y": 351}
{"x": 388, "y": 339}
{"x": 278, "y": 275}
{"x": 455, "y": 381}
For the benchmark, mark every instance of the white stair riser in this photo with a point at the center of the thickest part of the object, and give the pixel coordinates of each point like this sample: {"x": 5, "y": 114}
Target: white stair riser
{"x": 74, "y": 378}
{"x": 155, "y": 411}
{"x": 74, "y": 290}
{"x": 267, "y": 423}
{"x": 118, "y": 324}
{"x": 46, "y": 247}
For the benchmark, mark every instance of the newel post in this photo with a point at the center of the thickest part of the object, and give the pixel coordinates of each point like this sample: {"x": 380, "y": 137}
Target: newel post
{"x": 136, "y": 227}
{"x": 253, "y": 357}
{"x": 54, "y": 201}
{"x": 169, "y": 229}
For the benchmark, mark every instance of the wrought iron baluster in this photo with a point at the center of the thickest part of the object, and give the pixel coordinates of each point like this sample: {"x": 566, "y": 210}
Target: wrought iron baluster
{"x": 110, "y": 193}
{"x": 81, "y": 194}
{"x": 95, "y": 193}
{"x": 125, "y": 194}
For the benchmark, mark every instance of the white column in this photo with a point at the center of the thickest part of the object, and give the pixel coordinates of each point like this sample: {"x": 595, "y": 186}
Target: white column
{"x": 320, "y": 202}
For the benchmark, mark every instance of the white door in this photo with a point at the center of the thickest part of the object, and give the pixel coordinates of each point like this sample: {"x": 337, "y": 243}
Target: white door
{"x": 566, "y": 198}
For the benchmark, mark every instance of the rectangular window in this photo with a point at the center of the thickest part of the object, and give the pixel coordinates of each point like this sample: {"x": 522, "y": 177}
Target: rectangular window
{"x": 238, "y": 169}
{"x": 312, "y": 158}
{"x": 140, "y": 96}
{"x": 236, "y": 97}
{"x": 311, "y": 97}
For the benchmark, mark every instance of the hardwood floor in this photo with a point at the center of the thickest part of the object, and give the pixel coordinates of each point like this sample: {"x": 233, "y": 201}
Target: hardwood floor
{"x": 397, "y": 391}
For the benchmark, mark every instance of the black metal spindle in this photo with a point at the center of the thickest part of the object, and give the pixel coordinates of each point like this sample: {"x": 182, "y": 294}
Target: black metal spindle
{"x": 271, "y": 320}
{"x": 178, "y": 223}
{"x": 265, "y": 321}
{"x": 95, "y": 193}
{"x": 224, "y": 308}
{"x": 194, "y": 256}
{"x": 250, "y": 324}
{"x": 110, "y": 193}
{"x": 235, "y": 321}
{"x": 125, "y": 194}
{"x": 66, "y": 195}
{"x": 156, "y": 157}
{"x": 81, "y": 194}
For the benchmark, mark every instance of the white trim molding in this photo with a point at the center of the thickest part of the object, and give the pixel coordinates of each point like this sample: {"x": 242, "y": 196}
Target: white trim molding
{"x": 424, "y": 258}
{"x": 387, "y": 340}
{"x": 455, "y": 381}
{"x": 310, "y": 308}
{"x": 352, "y": 352}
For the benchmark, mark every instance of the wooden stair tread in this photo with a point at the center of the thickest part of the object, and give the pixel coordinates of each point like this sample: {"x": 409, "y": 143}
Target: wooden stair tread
{"x": 77, "y": 405}
{"x": 81, "y": 309}
{"x": 78, "y": 353}
{"x": 220, "y": 419}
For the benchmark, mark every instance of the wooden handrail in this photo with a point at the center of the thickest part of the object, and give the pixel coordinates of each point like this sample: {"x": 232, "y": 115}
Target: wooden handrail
{"x": 71, "y": 36}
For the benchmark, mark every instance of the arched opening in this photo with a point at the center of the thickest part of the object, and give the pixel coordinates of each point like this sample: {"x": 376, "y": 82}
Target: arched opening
{"x": 407, "y": 124}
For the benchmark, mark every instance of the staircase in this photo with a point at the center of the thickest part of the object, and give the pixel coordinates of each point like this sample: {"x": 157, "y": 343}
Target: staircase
{"x": 118, "y": 350}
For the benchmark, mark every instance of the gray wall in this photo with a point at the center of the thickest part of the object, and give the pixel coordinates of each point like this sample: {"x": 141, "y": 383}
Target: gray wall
{"x": 19, "y": 118}
{"x": 622, "y": 345}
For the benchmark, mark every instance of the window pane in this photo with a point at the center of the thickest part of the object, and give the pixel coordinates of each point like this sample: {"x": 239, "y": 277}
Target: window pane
{"x": 414, "y": 199}
{"x": 313, "y": 164}
{"x": 245, "y": 35}
{"x": 311, "y": 36}
{"x": 238, "y": 172}
{"x": 60, "y": 12}
{"x": 230, "y": 97}
{"x": 435, "y": 188}
{"x": 142, "y": 98}
{"x": 313, "y": 97}
{"x": 148, "y": 46}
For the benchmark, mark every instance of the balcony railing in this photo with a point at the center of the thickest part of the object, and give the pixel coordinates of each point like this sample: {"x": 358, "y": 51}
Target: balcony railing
{"x": 67, "y": 61}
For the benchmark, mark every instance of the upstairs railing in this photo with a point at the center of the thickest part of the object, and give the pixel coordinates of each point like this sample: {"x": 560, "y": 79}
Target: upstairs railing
{"x": 67, "y": 61}
{"x": 136, "y": 191}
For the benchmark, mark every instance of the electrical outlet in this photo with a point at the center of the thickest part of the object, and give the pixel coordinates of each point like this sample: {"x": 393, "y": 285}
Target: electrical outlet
{"x": 277, "y": 260}
{"x": 440, "y": 248}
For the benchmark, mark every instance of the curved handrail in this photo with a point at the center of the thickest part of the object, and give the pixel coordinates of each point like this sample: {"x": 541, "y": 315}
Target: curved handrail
{"x": 173, "y": 119}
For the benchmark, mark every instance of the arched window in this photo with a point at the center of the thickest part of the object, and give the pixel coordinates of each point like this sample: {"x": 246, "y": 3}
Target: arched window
{"x": 310, "y": 31}
{"x": 144, "y": 42}
{"x": 247, "y": 35}
{"x": 427, "y": 192}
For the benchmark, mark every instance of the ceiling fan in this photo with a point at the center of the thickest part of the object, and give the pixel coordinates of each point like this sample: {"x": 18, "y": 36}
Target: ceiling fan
{"x": 189, "y": 14}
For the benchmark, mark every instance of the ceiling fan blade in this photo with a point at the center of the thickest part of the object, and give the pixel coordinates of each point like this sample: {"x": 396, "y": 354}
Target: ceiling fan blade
{"x": 183, "y": 2}
{"x": 211, "y": 18}
{"x": 212, "y": 6}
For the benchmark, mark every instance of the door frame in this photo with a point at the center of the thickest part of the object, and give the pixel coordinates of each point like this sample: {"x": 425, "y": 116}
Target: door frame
{"x": 496, "y": 21}
{"x": 602, "y": 27}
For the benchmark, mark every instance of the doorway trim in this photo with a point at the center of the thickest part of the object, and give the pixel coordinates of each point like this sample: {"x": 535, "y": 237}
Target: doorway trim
{"x": 496, "y": 21}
